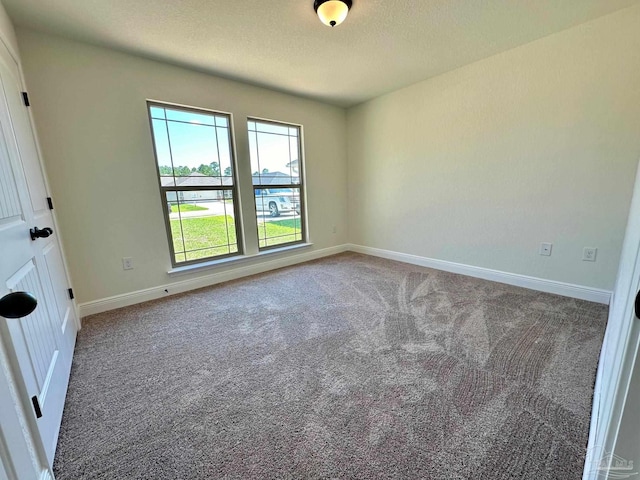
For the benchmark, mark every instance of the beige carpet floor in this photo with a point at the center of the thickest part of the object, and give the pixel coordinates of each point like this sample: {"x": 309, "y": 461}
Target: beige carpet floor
{"x": 346, "y": 367}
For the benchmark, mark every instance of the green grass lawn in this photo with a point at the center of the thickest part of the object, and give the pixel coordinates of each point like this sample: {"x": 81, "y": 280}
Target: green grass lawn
{"x": 187, "y": 207}
{"x": 210, "y": 234}
{"x": 279, "y": 232}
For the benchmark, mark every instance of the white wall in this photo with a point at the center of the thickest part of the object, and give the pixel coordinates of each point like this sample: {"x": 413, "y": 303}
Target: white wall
{"x": 481, "y": 164}
{"x": 90, "y": 112}
{"x": 476, "y": 166}
{"x": 7, "y": 32}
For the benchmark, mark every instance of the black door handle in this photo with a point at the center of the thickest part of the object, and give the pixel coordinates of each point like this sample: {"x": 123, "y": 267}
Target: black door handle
{"x": 17, "y": 305}
{"x": 638, "y": 304}
{"x": 37, "y": 233}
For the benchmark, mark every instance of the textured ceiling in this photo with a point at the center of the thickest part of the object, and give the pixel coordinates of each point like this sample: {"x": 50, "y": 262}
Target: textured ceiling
{"x": 383, "y": 45}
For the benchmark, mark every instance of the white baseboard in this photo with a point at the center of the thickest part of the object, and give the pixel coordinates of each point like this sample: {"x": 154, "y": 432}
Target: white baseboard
{"x": 533, "y": 283}
{"x": 139, "y": 296}
{"x": 539, "y": 284}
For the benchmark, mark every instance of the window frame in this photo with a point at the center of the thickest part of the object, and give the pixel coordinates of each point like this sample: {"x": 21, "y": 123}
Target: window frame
{"x": 300, "y": 186}
{"x": 175, "y": 188}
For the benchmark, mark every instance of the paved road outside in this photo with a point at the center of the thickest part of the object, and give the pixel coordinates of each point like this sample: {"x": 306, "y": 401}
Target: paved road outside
{"x": 218, "y": 208}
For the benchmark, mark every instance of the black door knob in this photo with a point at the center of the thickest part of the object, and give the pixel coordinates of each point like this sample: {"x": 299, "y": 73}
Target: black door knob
{"x": 37, "y": 233}
{"x": 17, "y": 305}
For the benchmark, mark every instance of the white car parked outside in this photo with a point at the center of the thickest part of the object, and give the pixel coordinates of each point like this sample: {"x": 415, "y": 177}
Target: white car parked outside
{"x": 276, "y": 201}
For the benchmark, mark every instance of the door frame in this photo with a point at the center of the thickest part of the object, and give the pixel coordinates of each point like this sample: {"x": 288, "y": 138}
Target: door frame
{"x": 619, "y": 349}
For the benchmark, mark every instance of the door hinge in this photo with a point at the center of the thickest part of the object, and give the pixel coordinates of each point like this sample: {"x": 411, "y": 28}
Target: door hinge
{"x": 36, "y": 406}
{"x": 71, "y": 297}
{"x": 25, "y": 99}
{"x": 50, "y": 203}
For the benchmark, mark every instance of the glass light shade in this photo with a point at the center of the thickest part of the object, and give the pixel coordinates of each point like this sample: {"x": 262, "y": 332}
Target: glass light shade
{"x": 333, "y": 12}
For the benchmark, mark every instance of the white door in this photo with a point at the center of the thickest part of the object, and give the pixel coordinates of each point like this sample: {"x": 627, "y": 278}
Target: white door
{"x": 42, "y": 343}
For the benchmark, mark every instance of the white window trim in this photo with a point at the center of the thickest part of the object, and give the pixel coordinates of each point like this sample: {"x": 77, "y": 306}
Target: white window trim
{"x": 238, "y": 259}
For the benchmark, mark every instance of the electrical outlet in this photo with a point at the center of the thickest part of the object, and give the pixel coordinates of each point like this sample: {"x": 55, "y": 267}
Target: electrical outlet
{"x": 334, "y": 229}
{"x": 589, "y": 254}
{"x": 127, "y": 263}
{"x": 545, "y": 249}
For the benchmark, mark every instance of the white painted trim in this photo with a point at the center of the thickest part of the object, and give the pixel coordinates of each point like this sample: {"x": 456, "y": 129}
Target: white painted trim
{"x": 132, "y": 298}
{"x": 56, "y": 225}
{"x": 539, "y": 284}
{"x": 595, "y": 450}
{"x": 533, "y": 283}
{"x": 230, "y": 261}
{"x": 619, "y": 346}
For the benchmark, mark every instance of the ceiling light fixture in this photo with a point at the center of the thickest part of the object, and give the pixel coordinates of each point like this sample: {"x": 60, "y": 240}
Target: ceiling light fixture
{"x": 332, "y": 12}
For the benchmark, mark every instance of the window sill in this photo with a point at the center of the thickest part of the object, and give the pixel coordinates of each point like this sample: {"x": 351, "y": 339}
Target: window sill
{"x": 234, "y": 260}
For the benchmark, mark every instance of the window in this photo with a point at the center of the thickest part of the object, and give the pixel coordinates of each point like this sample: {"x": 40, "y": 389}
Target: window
{"x": 196, "y": 172}
{"x": 196, "y": 169}
{"x": 276, "y": 165}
